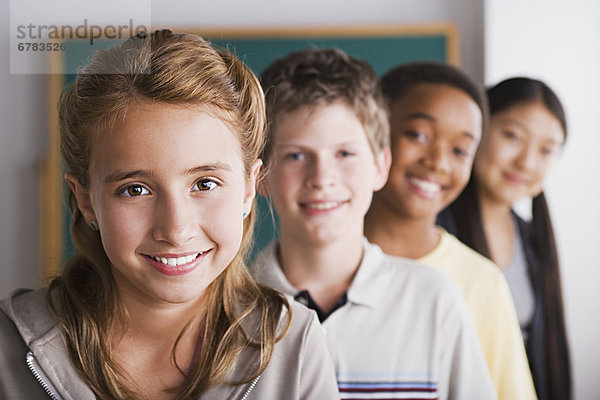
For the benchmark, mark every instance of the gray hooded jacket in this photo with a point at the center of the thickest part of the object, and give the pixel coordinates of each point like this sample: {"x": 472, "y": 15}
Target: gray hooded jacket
{"x": 34, "y": 363}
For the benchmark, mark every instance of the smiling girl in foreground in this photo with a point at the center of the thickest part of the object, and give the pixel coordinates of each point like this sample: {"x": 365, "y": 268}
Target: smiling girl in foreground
{"x": 161, "y": 138}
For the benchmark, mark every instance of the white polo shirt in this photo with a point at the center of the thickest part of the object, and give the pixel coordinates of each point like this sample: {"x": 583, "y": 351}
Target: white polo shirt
{"x": 403, "y": 333}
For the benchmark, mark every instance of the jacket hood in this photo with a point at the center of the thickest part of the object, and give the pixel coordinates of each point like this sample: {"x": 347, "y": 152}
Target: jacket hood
{"x": 48, "y": 359}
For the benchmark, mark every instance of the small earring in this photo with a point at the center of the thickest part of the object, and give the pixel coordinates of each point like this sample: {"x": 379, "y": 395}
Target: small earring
{"x": 244, "y": 215}
{"x": 94, "y": 226}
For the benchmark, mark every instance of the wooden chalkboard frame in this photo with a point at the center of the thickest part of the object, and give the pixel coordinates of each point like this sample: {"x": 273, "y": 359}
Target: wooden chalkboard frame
{"x": 53, "y": 230}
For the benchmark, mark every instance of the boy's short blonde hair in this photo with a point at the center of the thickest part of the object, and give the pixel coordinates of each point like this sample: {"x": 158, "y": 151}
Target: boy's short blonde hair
{"x": 319, "y": 77}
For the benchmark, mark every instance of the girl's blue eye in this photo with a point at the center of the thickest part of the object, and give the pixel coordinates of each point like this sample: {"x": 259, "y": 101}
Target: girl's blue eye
{"x": 205, "y": 185}
{"x": 345, "y": 153}
{"x": 134, "y": 191}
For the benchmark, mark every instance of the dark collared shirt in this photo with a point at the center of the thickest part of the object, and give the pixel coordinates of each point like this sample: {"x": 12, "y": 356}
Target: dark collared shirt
{"x": 304, "y": 297}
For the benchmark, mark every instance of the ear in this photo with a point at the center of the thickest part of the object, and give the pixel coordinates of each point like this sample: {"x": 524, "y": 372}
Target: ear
{"x": 383, "y": 162}
{"x": 82, "y": 196}
{"x": 251, "y": 185}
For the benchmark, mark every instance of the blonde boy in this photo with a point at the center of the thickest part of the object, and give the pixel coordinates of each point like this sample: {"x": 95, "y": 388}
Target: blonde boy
{"x": 395, "y": 329}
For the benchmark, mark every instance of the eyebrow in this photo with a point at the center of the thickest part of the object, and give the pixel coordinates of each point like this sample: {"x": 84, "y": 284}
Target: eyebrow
{"x": 215, "y": 166}
{"x": 421, "y": 115}
{"x": 118, "y": 176}
{"x": 304, "y": 146}
{"x": 514, "y": 122}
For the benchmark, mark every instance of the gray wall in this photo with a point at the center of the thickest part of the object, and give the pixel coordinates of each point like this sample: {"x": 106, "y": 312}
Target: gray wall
{"x": 22, "y": 141}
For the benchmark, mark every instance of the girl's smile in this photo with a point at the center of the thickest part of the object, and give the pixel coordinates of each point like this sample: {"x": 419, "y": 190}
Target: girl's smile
{"x": 174, "y": 266}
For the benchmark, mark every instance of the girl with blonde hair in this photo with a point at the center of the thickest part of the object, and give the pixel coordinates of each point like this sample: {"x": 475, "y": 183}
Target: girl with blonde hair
{"x": 161, "y": 138}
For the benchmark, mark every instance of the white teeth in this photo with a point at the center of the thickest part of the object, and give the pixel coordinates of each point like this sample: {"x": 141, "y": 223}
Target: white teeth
{"x": 426, "y": 186}
{"x": 174, "y": 262}
{"x": 323, "y": 206}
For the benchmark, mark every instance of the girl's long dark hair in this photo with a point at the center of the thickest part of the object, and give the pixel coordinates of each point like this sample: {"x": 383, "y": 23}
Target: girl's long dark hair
{"x": 469, "y": 229}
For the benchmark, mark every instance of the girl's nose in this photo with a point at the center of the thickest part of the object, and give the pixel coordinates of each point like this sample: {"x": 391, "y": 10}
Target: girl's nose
{"x": 175, "y": 221}
{"x": 527, "y": 158}
{"x": 436, "y": 157}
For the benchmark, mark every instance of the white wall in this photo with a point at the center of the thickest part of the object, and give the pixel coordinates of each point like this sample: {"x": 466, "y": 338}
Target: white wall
{"x": 559, "y": 42}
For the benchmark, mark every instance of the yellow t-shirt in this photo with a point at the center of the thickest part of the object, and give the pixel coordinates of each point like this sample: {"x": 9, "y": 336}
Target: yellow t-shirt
{"x": 492, "y": 311}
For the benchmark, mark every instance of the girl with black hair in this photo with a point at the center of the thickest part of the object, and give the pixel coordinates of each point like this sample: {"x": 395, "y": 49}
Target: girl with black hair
{"x": 526, "y": 134}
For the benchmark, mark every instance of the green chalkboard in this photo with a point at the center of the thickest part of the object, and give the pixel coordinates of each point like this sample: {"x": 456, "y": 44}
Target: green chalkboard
{"x": 382, "y": 46}
{"x": 382, "y": 52}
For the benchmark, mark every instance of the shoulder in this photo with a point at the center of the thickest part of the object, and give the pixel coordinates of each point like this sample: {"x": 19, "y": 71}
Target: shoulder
{"x": 24, "y": 324}
{"x": 298, "y": 328}
{"x": 303, "y": 319}
{"x": 466, "y": 262}
{"x": 294, "y": 320}
{"x": 525, "y": 229}
{"x": 521, "y": 222}
{"x": 16, "y": 380}
{"x": 413, "y": 272}
{"x": 266, "y": 270}
{"x": 399, "y": 279}
{"x": 300, "y": 365}
{"x": 417, "y": 273}
{"x": 28, "y": 311}
{"x": 480, "y": 280}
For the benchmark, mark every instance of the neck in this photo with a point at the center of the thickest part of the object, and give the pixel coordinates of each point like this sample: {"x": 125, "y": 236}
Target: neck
{"x": 158, "y": 321}
{"x": 144, "y": 349}
{"x": 398, "y": 234}
{"x": 326, "y": 270}
{"x": 493, "y": 210}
